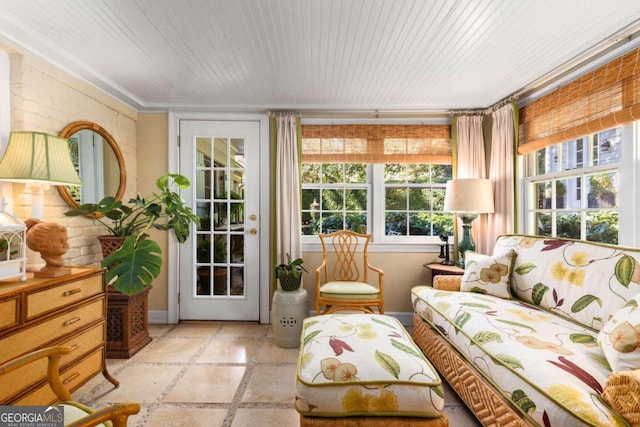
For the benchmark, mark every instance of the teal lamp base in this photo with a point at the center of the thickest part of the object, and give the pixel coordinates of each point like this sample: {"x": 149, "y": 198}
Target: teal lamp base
{"x": 466, "y": 243}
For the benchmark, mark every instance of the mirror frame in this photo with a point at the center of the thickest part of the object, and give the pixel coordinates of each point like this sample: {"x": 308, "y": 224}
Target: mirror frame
{"x": 74, "y": 127}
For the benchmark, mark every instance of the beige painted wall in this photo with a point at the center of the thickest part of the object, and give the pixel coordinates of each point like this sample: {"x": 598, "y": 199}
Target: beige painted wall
{"x": 45, "y": 99}
{"x": 153, "y": 162}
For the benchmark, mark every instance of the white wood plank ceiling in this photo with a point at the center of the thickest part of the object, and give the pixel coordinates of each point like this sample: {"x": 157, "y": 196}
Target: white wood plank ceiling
{"x": 347, "y": 55}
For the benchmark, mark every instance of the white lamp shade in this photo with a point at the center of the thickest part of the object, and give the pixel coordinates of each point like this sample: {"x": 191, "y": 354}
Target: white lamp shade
{"x": 471, "y": 195}
{"x": 38, "y": 157}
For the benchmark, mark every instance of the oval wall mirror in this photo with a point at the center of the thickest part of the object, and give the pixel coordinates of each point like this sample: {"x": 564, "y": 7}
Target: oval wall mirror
{"x": 99, "y": 162}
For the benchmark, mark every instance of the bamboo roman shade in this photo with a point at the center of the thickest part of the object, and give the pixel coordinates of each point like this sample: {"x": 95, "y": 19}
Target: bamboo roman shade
{"x": 599, "y": 100}
{"x": 376, "y": 143}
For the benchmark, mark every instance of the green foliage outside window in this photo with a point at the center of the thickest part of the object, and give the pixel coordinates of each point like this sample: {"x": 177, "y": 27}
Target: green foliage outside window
{"x": 336, "y": 197}
{"x": 601, "y": 226}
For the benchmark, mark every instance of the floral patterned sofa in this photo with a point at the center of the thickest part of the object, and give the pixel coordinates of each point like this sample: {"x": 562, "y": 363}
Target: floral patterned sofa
{"x": 530, "y": 335}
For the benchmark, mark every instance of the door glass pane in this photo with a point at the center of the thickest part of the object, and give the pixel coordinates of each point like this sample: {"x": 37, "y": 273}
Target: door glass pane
{"x": 220, "y": 237}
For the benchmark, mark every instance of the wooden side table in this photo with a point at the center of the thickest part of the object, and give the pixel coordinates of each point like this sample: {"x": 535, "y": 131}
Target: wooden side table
{"x": 437, "y": 268}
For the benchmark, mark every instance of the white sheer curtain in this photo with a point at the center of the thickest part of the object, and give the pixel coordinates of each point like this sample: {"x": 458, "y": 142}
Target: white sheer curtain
{"x": 471, "y": 164}
{"x": 288, "y": 221}
{"x": 501, "y": 174}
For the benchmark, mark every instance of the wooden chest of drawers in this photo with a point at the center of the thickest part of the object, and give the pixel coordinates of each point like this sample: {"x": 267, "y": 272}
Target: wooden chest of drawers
{"x": 68, "y": 310}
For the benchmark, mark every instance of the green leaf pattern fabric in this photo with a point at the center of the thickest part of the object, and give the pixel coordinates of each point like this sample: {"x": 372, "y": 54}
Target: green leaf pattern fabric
{"x": 364, "y": 364}
{"x": 541, "y": 348}
{"x": 548, "y": 366}
{"x": 582, "y": 281}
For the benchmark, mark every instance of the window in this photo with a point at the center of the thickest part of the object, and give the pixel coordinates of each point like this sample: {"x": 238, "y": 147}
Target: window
{"x": 335, "y": 196}
{"x": 414, "y": 199}
{"x": 574, "y": 188}
{"x": 384, "y": 180}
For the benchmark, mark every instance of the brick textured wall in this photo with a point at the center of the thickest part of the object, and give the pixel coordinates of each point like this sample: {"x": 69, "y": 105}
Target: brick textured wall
{"x": 45, "y": 99}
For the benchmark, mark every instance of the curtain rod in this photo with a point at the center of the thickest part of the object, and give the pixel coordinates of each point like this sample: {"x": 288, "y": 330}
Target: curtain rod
{"x": 360, "y": 114}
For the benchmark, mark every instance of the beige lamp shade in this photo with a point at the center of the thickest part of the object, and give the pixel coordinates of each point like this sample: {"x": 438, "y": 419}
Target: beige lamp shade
{"x": 38, "y": 157}
{"x": 470, "y": 195}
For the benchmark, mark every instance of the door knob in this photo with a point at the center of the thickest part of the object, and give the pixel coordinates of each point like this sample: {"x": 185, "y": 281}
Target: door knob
{"x": 253, "y": 231}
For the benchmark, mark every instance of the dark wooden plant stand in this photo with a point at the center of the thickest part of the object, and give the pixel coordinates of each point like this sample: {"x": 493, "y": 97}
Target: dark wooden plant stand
{"x": 127, "y": 315}
{"x": 127, "y": 323}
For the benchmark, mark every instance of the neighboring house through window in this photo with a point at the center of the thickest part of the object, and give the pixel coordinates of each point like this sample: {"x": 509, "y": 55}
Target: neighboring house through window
{"x": 573, "y": 188}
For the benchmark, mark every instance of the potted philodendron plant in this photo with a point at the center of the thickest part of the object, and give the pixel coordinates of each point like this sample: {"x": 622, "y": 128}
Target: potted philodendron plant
{"x": 290, "y": 274}
{"x": 137, "y": 262}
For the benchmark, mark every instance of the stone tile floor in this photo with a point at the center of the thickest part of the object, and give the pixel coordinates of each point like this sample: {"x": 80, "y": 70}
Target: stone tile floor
{"x": 211, "y": 374}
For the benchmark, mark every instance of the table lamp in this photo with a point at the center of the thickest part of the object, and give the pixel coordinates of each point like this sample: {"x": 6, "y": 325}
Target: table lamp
{"x": 38, "y": 160}
{"x": 468, "y": 198}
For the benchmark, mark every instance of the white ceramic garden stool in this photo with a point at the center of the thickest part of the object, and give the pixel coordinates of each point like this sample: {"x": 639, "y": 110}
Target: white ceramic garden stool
{"x": 290, "y": 308}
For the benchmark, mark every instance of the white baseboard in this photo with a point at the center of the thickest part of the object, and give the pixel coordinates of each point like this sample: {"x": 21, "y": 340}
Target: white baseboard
{"x": 158, "y": 317}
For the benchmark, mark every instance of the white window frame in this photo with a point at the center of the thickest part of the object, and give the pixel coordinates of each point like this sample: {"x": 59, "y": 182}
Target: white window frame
{"x": 629, "y": 185}
{"x": 379, "y": 220}
{"x": 342, "y": 186}
{"x": 376, "y": 217}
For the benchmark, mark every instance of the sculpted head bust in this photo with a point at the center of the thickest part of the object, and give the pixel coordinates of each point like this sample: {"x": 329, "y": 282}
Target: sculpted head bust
{"x": 50, "y": 239}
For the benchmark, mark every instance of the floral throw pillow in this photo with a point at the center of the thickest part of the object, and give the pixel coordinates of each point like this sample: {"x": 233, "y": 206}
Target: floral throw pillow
{"x": 488, "y": 274}
{"x": 619, "y": 337}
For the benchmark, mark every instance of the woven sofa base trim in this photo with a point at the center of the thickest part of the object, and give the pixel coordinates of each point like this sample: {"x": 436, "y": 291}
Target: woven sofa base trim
{"x": 441, "y": 421}
{"x": 488, "y": 406}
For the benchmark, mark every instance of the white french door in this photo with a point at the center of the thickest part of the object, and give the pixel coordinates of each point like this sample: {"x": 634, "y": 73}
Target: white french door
{"x": 219, "y": 264}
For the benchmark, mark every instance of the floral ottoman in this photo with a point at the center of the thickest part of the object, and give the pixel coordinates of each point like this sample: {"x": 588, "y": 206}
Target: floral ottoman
{"x": 364, "y": 369}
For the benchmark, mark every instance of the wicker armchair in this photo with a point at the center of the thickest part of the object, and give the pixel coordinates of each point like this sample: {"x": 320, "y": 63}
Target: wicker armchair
{"x": 342, "y": 278}
{"x": 76, "y": 414}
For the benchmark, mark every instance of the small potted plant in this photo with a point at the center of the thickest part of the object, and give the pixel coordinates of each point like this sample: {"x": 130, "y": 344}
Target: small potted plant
{"x": 290, "y": 274}
{"x": 290, "y": 303}
{"x": 136, "y": 261}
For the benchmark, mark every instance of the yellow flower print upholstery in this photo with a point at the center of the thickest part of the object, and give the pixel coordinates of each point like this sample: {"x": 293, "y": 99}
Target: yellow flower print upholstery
{"x": 582, "y": 281}
{"x": 488, "y": 274}
{"x": 364, "y": 364}
{"x": 619, "y": 337}
{"x": 526, "y": 352}
{"x": 548, "y": 351}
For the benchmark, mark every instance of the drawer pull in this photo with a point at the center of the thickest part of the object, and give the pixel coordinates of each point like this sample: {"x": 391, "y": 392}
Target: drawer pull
{"x": 71, "y": 292}
{"x": 72, "y": 321}
{"x": 71, "y": 378}
{"x": 75, "y": 347}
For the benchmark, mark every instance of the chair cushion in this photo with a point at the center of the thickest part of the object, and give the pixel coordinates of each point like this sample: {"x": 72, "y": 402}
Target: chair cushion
{"x": 73, "y": 411}
{"x": 364, "y": 364}
{"x": 349, "y": 290}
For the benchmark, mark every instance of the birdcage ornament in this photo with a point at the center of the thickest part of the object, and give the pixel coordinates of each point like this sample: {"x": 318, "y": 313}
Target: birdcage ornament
{"x": 13, "y": 245}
